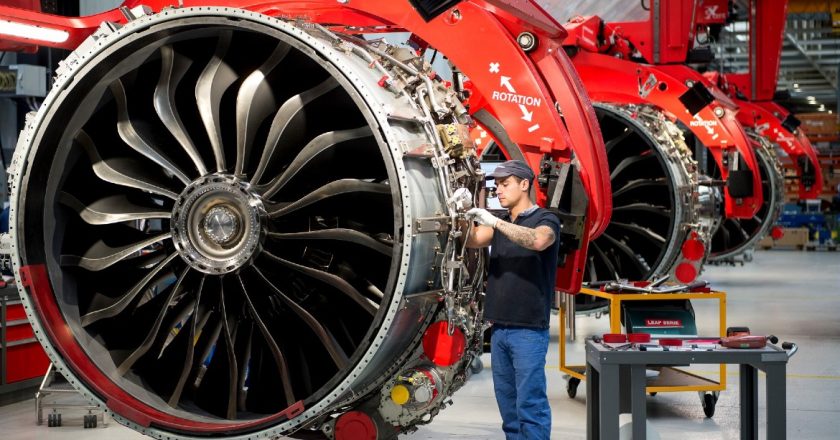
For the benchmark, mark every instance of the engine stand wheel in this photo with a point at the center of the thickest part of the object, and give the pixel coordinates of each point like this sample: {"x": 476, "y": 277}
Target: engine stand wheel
{"x": 572, "y": 386}
{"x": 90, "y": 421}
{"x": 709, "y": 400}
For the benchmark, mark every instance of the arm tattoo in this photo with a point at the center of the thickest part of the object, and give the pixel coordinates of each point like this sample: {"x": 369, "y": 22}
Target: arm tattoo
{"x": 524, "y": 236}
{"x": 520, "y": 235}
{"x": 549, "y": 233}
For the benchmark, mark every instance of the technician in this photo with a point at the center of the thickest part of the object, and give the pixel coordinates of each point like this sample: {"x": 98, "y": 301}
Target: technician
{"x": 520, "y": 288}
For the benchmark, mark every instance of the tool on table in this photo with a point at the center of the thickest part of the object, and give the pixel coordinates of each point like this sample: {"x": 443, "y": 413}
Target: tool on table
{"x": 740, "y": 337}
{"x": 655, "y": 286}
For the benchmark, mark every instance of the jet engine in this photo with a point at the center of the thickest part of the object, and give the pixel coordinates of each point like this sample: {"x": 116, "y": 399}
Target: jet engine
{"x": 662, "y": 217}
{"x": 231, "y": 225}
{"x": 738, "y": 237}
{"x": 664, "y": 211}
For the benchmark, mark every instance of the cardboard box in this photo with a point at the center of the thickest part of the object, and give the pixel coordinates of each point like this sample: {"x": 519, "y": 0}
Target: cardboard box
{"x": 820, "y": 127}
{"x": 795, "y": 238}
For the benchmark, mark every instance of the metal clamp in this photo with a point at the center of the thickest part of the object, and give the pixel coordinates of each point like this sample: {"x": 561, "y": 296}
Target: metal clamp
{"x": 431, "y": 224}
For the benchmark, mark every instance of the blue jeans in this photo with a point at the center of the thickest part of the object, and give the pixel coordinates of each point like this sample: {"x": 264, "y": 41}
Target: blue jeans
{"x": 518, "y": 363}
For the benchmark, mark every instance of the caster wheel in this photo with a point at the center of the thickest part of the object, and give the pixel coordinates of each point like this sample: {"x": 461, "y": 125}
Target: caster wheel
{"x": 54, "y": 420}
{"x": 572, "y": 386}
{"x": 709, "y": 402}
{"x": 90, "y": 421}
{"x": 652, "y": 394}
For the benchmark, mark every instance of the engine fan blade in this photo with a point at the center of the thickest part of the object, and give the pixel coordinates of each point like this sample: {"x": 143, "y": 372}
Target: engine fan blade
{"x": 175, "y": 398}
{"x": 100, "y": 256}
{"x": 111, "y": 209}
{"x": 130, "y": 134}
{"x": 123, "y": 171}
{"x": 335, "y": 281}
{"x": 233, "y": 370}
{"x": 290, "y": 113}
{"x": 340, "y": 234}
{"x": 214, "y": 80}
{"x": 126, "y": 299}
{"x": 316, "y": 146}
{"x": 334, "y": 188}
{"x": 153, "y": 332}
{"x": 327, "y": 339}
{"x": 254, "y": 102}
{"x": 172, "y": 70}
{"x": 279, "y": 358}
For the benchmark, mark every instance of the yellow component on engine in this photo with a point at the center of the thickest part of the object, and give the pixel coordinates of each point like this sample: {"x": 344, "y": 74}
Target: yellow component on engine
{"x": 456, "y": 140}
{"x": 400, "y": 395}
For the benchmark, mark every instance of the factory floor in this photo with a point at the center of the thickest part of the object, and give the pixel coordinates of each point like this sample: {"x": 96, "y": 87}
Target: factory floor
{"x": 794, "y": 295}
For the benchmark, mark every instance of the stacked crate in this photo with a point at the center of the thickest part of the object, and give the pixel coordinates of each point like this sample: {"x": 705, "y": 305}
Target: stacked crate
{"x": 821, "y": 127}
{"x": 22, "y": 360}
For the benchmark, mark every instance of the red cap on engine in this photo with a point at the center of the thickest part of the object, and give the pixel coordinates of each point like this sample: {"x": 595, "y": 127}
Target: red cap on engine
{"x": 355, "y": 425}
{"x": 442, "y": 348}
{"x": 685, "y": 272}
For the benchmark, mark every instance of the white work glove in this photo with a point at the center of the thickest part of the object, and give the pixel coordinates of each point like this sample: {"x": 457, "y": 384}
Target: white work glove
{"x": 483, "y": 217}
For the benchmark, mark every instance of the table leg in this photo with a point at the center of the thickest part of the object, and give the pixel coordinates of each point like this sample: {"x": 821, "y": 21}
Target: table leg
{"x": 570, "y": 316}
{"x": 625, "y": 404}
{"x": 638, "y": 386}
{"x": 593, "y": 382}
{"x": 749, "y": 402}
{"x": 609, "y": 401}
{"x": 776, "y": 401}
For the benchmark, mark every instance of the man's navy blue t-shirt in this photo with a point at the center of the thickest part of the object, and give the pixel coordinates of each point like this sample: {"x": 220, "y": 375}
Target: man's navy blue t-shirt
{"x": 520, "y": 282}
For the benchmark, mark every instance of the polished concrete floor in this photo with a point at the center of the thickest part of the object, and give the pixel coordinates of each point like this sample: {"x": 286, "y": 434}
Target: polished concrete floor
{"x": 793, "y": 295}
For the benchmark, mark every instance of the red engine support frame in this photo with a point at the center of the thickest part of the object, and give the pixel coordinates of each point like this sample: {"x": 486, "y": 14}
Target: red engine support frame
{"x": 766, "y": 35}
{"x": 767, "y": 117}
{"x": 543, "y": 77}
{"x": 615, "y": 79}
{"x": 754, "y": 91}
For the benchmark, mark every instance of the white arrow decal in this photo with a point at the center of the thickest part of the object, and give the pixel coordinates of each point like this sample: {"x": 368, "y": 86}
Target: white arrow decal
{"x": 526, "y": 115}
{"x": 505, "y": 82}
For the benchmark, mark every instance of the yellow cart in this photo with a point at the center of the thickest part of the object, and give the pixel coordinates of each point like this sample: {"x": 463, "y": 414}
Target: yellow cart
{"x": 670, "y": 379}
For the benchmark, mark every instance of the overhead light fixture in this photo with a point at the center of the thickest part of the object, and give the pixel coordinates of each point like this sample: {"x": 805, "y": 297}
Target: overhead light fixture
{"x": 32, "y": 32}
{"x": 795, "y": 85}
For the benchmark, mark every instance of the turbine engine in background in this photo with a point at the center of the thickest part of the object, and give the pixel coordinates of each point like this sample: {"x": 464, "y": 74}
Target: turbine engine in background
{"x": 739, "y": 237}
{"x": 664, "y": 211}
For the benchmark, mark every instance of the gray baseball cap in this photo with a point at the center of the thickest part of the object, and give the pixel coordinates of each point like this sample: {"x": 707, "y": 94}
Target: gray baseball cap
{"x": 516, "y": 168}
